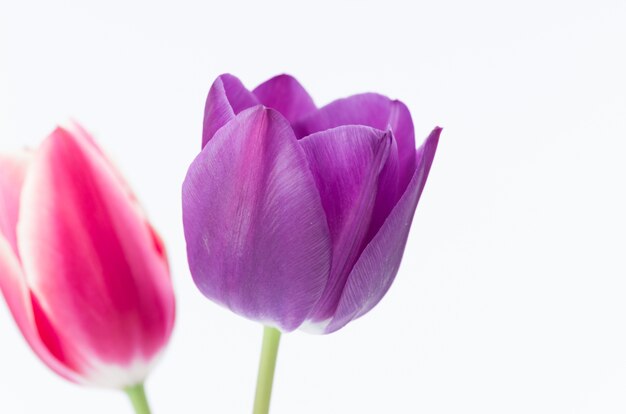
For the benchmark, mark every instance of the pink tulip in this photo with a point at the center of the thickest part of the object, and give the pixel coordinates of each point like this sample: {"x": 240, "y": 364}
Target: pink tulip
{"x": 83, "y": 272}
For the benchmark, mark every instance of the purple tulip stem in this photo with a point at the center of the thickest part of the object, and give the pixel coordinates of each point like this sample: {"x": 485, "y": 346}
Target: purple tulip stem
{"x": 267, "y": 366}
{"x": 137, "y": 395}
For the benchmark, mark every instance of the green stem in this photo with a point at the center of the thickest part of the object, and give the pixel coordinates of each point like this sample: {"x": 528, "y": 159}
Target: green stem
{"x": 137, "y": 395}
{"x": 271, "y": 339}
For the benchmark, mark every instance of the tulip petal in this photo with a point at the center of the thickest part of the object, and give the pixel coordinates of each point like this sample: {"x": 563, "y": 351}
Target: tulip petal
{"x": 12, "y": 171}
{"x": 285, "y": 94}
{"x": 19, "y": 301}
{"x": 81, "y": 134}
{"x": 257, "y": 238}
{"x": 227, "y": 97}
{"x": 374, "y": 110}
{"x": 90, "y": 260}
{"x": 346, "y": 162}
{"x": 388, "y": 193}
{"x": 375, "y": 270}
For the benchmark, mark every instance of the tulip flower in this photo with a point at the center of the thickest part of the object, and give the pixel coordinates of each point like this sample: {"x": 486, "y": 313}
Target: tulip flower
{"x": 83, "y": 272}
{"x": 297, "y": 216}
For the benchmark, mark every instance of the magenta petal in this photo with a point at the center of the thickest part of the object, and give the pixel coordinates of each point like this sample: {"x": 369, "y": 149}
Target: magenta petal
{"x": 376, "y": 111}
{"x": 91, "y": 261}
{"x": 375, "y": 270}
{"x": 257, "y": 238}
{"x": 285, "y": 94}
{"x": 227, "y": 97}
{"x": 19, "y": 301}
{"x": 12, "y": 171}
{"x": 346, "y": 162}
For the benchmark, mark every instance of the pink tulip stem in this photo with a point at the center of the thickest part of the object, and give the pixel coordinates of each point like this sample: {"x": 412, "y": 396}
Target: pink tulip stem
{"x": 267, "y": 366}
{"x": 137, "y": 395}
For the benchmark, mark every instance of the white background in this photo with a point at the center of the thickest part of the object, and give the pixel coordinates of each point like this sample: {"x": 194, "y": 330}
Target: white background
{"x": 512, "y": 293}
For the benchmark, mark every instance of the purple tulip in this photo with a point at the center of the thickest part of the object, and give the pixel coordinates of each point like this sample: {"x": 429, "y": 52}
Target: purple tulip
{"x": 297, "y": 217}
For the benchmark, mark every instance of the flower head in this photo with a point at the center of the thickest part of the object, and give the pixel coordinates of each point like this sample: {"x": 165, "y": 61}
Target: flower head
{"x": 83, "y": 272}
{"x": 296, "y": 216}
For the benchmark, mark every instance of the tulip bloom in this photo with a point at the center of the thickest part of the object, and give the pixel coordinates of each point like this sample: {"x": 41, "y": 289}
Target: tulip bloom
{"x": 83, "y": 272}
{"x": 297, "y": 216}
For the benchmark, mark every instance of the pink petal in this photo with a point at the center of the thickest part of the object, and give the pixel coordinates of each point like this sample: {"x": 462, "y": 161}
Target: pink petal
{"x": 285, "y": 94}
{"x": 227, "y": 97}
{"x": 346, "y": 163}
{"x": 82, "y": 135}
{"x": 94, "y": 266}
{"x": 13, "y": 168}
{"x": 19, "y": 301}
{"x": 375, "y": 270}
{"x": 257, "y": 238}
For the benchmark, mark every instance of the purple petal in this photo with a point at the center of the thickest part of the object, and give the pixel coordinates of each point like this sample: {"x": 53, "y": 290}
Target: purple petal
{"x": 285, "y": 94}
{"x": 376, "y": 111}
{"x": 257, "y": 238}
{"x": 388, "y": 192}
{"x": 346, "y": 163}
{"x": 375, "y": 270}
{"x": 227, "y": 97}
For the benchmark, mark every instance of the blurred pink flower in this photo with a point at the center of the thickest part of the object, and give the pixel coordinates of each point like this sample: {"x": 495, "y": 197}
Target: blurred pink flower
{"x": 83, "y": 272}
